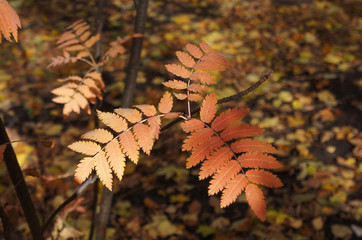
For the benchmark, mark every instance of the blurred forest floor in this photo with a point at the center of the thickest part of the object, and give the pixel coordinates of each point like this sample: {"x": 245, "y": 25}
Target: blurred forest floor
{"x": 311, "y": 110}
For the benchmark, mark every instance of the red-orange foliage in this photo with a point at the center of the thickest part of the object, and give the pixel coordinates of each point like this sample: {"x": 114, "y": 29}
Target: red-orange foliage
{"x": 216, "y": 143}
{"x": 221, "y": 143}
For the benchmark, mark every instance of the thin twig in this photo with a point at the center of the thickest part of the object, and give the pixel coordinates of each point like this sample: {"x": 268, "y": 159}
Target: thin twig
{"x": 80, "y": 189}
{"x": 245, "y": 92}
{"x": 224, "y": 100}
{"x": 98, "y": 56}
{"x": 94, "y": 209}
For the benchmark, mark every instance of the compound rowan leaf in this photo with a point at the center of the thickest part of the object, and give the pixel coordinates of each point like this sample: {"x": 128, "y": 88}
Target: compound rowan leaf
{"x": 84, "y": 169}
{"x": 222, "y": 177}
{"x": 166, "y": 103}
{"x": 194, "y": 50}
{"x": 103, "y": 169}
{"x": 148, "y": 110}
{"x": 144, "y": 137}
{"x": 258, "y": 160}
{"x": 265, "y": 178}
{"x": 255, "y": 145}
{"x": 192, "y": 125}
{"x": 256, "y": 200}
{"x": 178, "y": 70}
{"x": 208, "y": 108}
{"x": 99, "y": 135}
{"x": 129, "y": 145}
{"x": 113, "y": 121}
{"x": 132, "y": 115}
{"x": 175, "y": 84}
{"x": 233, "y": 189}
{"x": 116, "y": 158}
{"x": 185, "y": 59}
{"x": 86, "y": 147}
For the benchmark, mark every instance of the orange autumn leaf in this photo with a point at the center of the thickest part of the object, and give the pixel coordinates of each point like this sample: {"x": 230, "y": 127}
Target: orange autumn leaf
{"x": 175, "y": 84}
{"x": 166, "y": 103}
{"x": 194, "y": 50}
{"x": 256, "y": 200}
{"x": 103, "y": 169}
{"x": 86, "y": 147}
{"x": 84, "y": 169}
{"x": 129, "y": 145}
{"x": 185, "y": 59}
{"x": 208, "y": 108}
{"x": 264, "y": 178}
{"x": 233, "y": 189}
{"x": 132, "y": 115}
{"x": 144, "y": 137}
{"x": 116, "y": 158}
{"x": 178, "y": 70}
{"x": 148, "y": 110}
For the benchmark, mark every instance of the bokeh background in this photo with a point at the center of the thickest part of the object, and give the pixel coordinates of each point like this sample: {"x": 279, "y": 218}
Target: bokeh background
{"x": 311, "y": 110}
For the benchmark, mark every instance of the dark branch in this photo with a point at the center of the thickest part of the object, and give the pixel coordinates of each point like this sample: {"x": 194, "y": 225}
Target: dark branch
{"x": 20, "y": 186}
{"x": 133, "y": 67}
{"x": 224, "y": 100}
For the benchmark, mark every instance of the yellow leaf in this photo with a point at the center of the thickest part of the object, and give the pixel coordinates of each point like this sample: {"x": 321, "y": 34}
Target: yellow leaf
{"x": 182, "y": 19}
{"x": 332, "y": 58}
